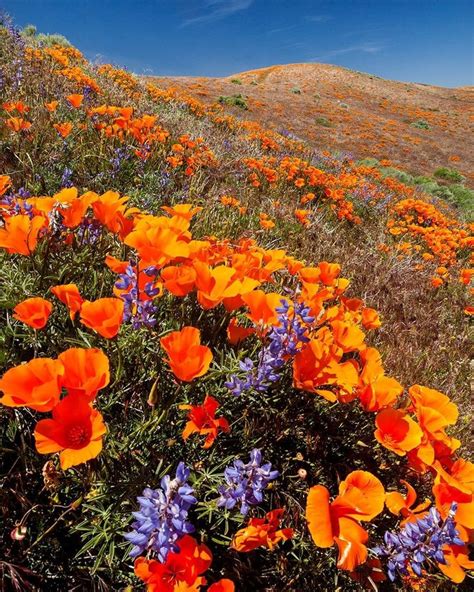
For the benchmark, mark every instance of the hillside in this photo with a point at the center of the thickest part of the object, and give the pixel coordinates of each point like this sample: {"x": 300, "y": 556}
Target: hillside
{"x": 338, "y": 109}
{"x": 229, "y": 362}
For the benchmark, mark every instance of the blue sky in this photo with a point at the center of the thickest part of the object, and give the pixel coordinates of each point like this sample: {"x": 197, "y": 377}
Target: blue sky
{"x": 428, "y": 41}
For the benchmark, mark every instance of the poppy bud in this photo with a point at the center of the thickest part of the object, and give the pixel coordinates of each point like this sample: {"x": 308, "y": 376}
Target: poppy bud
{"x": 302, "y": 474}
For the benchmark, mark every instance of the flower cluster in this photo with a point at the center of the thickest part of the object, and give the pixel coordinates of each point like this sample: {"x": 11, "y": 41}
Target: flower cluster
{"x": 419, "y": 542}
{"x": 246, "y": 482}
{"x": 162, "y": 518}
{"x": 138, "y": 306}
{"x": 284, "y": 342}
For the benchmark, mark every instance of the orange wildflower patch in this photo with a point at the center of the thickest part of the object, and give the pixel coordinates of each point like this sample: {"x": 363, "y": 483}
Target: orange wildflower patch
{"x": 34, "y": 312}
{"x": 20, "y": 234}
{"x": 361, "y": 498}
{"x": 69, "y": 295}
{"x": 261, "y": 532}
{"x": 75, "y": 431}
{"x": 202, "y": 420}
{"x": 86, "y": 371}
{"x": 63, "y": 129}
{"x": 75, "y": 100}
{"x": 187, "y": 358}
{"x": 36, "y": 384}
{"x": 103, "y": 316}
{"x": 397, "y": 431}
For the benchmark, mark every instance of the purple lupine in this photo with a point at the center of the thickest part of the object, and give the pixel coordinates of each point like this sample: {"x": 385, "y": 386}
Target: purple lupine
{"x": 284, "y": 341}
{"x": 89, "y": 231}
{"x": 137, "y": 310}
{"x": 120, "y": 155}
{"x": 162, "y": 518}
{"x": 418, "y": 542}
{"x": 66, "y": 179}
{"x": 245, "y": 483}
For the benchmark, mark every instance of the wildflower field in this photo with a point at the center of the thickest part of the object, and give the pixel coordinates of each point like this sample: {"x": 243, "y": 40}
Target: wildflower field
{"x": 228, "y": 361}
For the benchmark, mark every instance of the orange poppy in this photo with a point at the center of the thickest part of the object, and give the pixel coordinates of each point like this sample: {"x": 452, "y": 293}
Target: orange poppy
{"x": 69, "y": 295}
{"x": 20, "y": 234}
{"x": 262, "y": 306}
{"x": 261, "y": 532}
{"x": 36, "y": 384}
{"x": 361, "y": 498}
{"x": 63, "y": 129}
{"x": 347, "y": 336}
{"x": 457, "y": 560}
{"x": 219, "y": 283}
{"x": 202, "y": 420}
{"x": 18, "y": 124}
{"x": 397, "y": 431}
{"x": 223, "y": 585}
{"x": 186, "y": 211}
{"x": 371, "y": 319}
{"x": 34, "y": 312}
{"x": 456, "y": 485}
{"x": 75, "y": 431}
{"x": 376, "y": 390}
{"x": 179, "y": 280}
{"x": 187, "y": 358}
{"x": 86, "y": 371}
{"x": 5, "y": 184}
{"x": 75, "y": 100}
{"x": 52, "y": 106}
{"x": 236, "y": 333}
{"x": 103, "y": 316}
{"x": 399, "y": 504}
{"x": 180, "y": 572}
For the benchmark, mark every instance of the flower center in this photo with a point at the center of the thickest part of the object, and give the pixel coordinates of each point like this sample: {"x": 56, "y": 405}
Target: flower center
{"x": 78, "y": 436}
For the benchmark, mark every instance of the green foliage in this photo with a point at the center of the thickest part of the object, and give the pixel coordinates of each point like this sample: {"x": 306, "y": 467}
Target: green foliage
{"x": 449, "y": 174}
{"x": 401, "y": 176}
{"x": 296, "y": 91}
{"x": 421, "y": 124}
{"x": 236, "y": 81}
{"x": 324, "y": 121}
{"x": 234, "y": 101}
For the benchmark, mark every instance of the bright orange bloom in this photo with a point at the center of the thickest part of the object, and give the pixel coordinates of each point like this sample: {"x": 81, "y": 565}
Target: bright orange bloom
{"x": 397, "y": 431}
{"x": 5, "y": 183}
{"x": 361, "y": 498}
{"x": 16, "y": 106}
{"x": 179, "y": 280}
{"x": 223, "y": 585}
{"x": 18, "y": 124}
{"x": 347, "y": 336}
{"x": 187, "y": 358}
{"x": 376, "y": 390}
{"x": 69, "y": 295}
{"x": 202, "y": 420}
{"x": 86, "y": 371}
{"x": 36, "y": 384}
{"x": 370, "y": 319}
{"x": 63, "y": 129}
{"x": 103, "y": 316}
{"x": 20, "y": 234}
{"x": 236, "y": 333}
{"x": 75, "y": 100}
{"x": 51, "y": 107}
{"x": 186, "y": 211}
{"x": 261, "y": 532}
{"x": 399, "y": 504}
{"x": 34, "y": 312}
{"x": 218, "y": 283}
{"x": 181, "y": 572}
{"x": 262, "y": 306}
{"x": 456, "y": 485}
{"x": 457, "y": 560}
{"x": 75, "y": 431}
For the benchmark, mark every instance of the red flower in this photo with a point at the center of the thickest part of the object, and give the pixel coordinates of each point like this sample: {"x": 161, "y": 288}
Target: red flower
{"x": 202, "y": 420}
{"x": 34, "y": 312}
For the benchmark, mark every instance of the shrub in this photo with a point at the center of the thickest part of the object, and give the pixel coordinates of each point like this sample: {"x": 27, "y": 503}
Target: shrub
{"x": 324, "y": 121}
{"x": 449, "y": 174}
{"x": 234, "y": 101}
{"x": 421, "y": 124}
{"x": 236, "y": 81}
{"x": 295, "y": 90}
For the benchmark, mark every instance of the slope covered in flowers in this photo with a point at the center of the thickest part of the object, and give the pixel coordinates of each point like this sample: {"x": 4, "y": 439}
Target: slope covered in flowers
{"x": 180, "y": 340}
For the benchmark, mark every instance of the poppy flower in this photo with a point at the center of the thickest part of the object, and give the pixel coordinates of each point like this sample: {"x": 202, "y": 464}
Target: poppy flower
{"x": 104, "y": 316}
{"x": 361, "y": 498}
{"x": 219, "y": 283}
{"x": 202, "y": 420}
{"x": 69, "y": 295}
{"x": 376, "y": 390}
{"x": 347, "y": 336}
{"x": 179, "y": 280}
{"x": 18, "y": 124}
{"x": 262, "y": 306}
{"x": 236, "y": 333}
{"x": 63, "y": 129}
{"x": 20, "y": 234}
{"x": 5, "y": 184}
{"x": 223, "y": 585}
{"x": 398, "y": 504}
{"x": 34, "y": 312}
{"x": 75, "y": 100}
{"x": 36, "y": 384}
{"x": 52, "y": 106}
{"x": 187, "y": 358}
{"x": 181, "y": 571}
{"x": 456, "y": 485}
{"x": 397, "y": 431}
{"x": 86, "y": 371}
{"x": 186, "y": 211}
{"x": 457, "y": 560}
{"x": 261, "y": 532}
{"x": 75, "y": 431}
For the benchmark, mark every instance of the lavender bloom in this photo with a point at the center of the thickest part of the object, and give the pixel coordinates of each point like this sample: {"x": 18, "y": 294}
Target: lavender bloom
{"x": 137, "y": 310}
{"x": 418, "y": 542}
{"x": 66, "y": 179}
{"x": 121, "y": 154}
{"x": 162, "y": 518}
{"x": 246, "y": 482}
{"x": 89, "y": 231}
{"x": 285, "y": 341}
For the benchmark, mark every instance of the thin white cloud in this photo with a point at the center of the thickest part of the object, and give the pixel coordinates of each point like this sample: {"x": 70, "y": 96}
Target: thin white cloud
{"x": 362, "y": 48}
{"x": 216, "y": 10}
